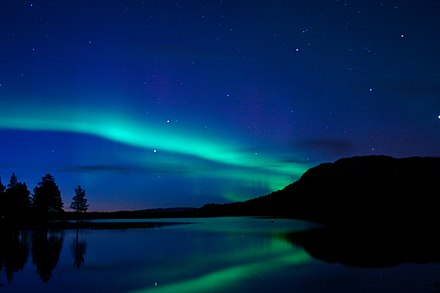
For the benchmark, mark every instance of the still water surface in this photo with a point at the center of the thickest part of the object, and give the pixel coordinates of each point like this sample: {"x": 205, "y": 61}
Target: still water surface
{"x": 207, "y": 255}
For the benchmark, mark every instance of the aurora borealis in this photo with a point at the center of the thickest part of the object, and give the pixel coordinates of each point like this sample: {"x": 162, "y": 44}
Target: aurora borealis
{"x": 179, "y": 103}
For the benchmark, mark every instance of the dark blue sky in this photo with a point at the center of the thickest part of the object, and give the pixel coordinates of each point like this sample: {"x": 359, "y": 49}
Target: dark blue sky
{"x": 180, "y": 103}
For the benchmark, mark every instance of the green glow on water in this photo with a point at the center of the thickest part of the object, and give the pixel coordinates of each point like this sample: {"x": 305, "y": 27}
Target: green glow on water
{"x": 223, "y": 278}
{"x": 251, "y": 248}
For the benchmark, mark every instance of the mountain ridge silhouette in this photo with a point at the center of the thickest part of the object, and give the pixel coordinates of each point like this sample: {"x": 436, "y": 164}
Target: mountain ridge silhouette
{"x": 359, "y": 189}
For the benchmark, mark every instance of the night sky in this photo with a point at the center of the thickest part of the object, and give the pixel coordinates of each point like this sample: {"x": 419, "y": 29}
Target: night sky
{"x": 149, "y": 104}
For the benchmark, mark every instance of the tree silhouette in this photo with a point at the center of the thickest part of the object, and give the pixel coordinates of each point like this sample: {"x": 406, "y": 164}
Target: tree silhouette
{"x": 13, "y": 181}
{"x": 79, "y": 201}
{"x": 2, "y": 199}
{"x": 47, "y": 197}
{"x": 16, "y": 199}
{"x": 2, "y": 187}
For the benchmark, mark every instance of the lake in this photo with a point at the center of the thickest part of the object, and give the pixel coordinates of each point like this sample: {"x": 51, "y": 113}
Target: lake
{"x": 240, "y": 254}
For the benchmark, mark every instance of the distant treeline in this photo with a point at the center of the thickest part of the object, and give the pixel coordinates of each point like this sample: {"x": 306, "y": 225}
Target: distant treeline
{"x": 18, "y": 204}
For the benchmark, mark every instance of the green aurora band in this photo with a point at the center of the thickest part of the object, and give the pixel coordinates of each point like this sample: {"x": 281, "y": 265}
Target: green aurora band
{"x": 123, "y": 129}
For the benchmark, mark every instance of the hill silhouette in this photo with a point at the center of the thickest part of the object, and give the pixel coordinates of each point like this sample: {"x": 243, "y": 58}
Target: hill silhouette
{"x": 357, "y": 189}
